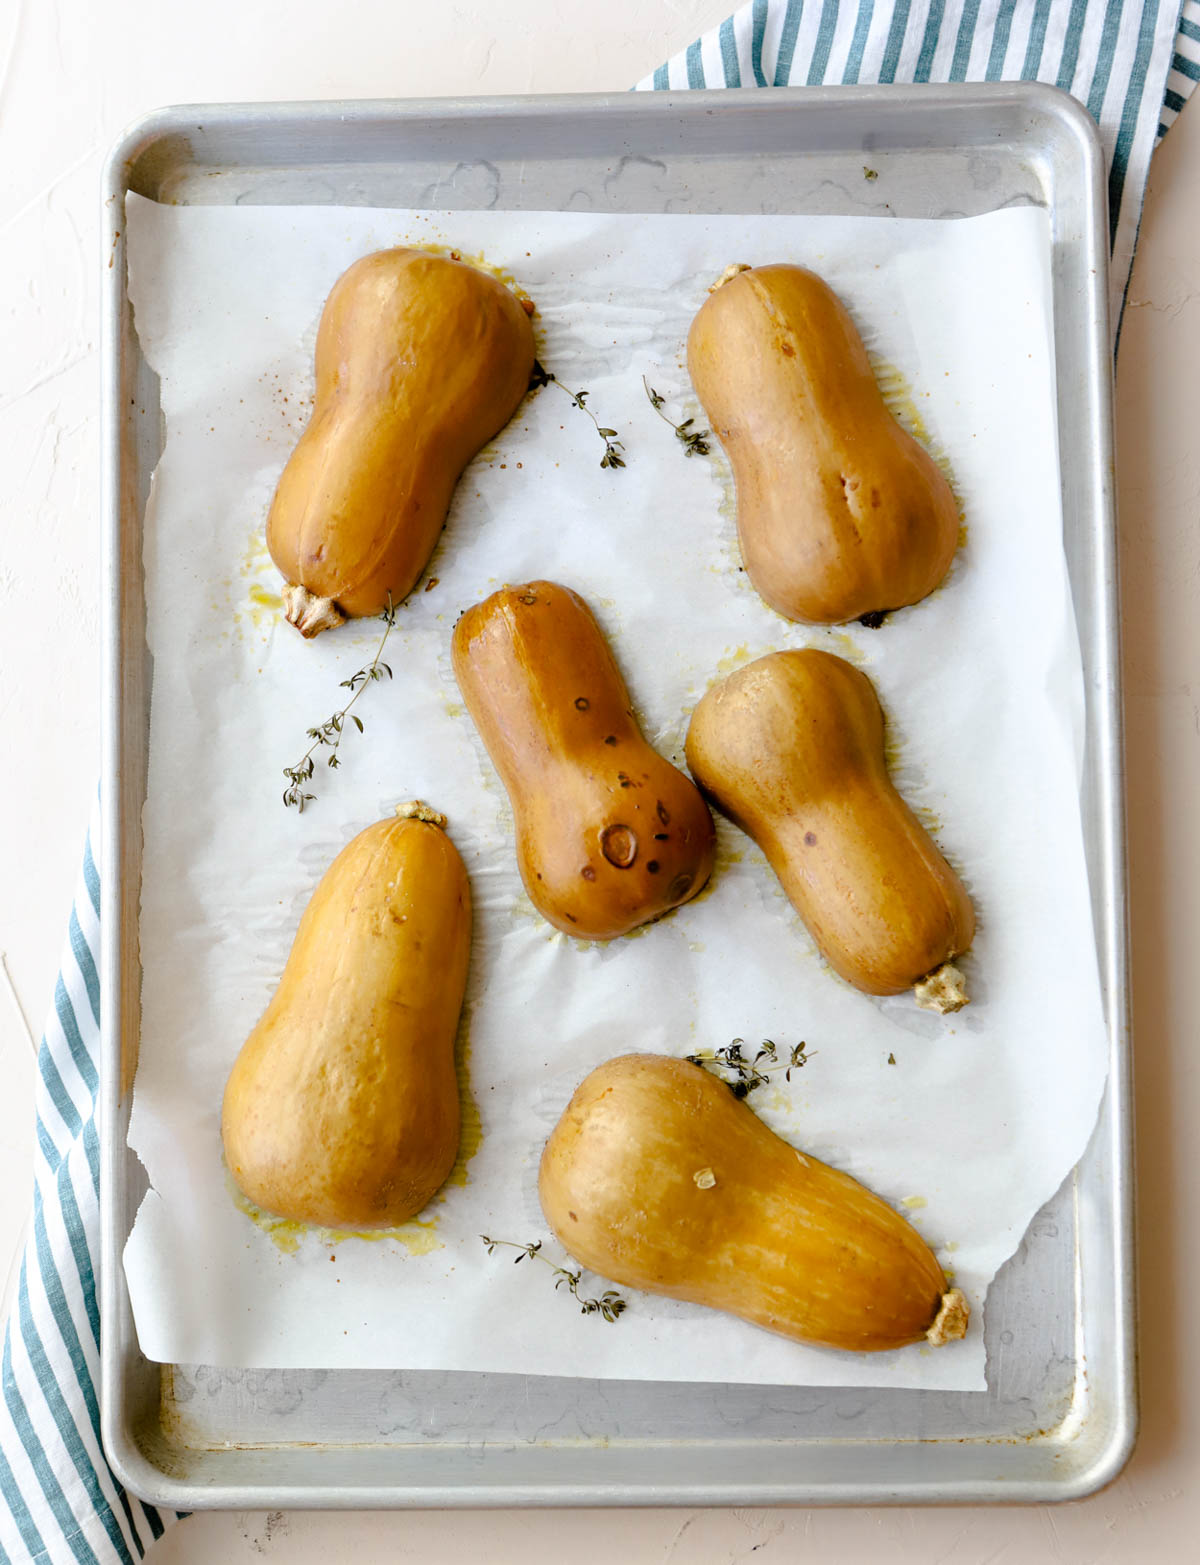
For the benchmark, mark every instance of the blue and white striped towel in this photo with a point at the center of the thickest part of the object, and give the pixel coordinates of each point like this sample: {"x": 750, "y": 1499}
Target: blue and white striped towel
{"x": 1132, "y": 62}
{"x": 58, "y": 1499}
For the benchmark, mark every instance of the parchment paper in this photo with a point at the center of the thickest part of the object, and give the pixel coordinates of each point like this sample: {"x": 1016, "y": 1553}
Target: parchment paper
{"x": 980, "y": 1116}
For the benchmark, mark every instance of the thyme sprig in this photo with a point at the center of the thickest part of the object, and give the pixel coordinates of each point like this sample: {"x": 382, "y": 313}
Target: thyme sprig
{"x": 329, "y": 733}
{"x": 743, "y": 1073}
{"x": 608, "y": 1306}
{"x": 695, "y": 441}
{"x": 613, "y": 448}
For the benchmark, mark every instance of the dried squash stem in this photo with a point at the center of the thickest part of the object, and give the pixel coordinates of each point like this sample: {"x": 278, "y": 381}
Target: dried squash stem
{"x": 310, "y": 615}
{"x": 952, "y": 1318}
{"x": 944, "y": 990}
{"x": 417, "y": 810}
{"x": 731, "y": 270}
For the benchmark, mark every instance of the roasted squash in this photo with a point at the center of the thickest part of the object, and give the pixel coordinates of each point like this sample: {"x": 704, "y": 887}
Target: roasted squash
{"x": 342, "y": 1108}
{"x": 792, "y": 749}
{"x": 420, "y": 360}
{"x": 609, "y": 834}
{"x": 657, "y": 1177}
{"x": 840, "y": 512}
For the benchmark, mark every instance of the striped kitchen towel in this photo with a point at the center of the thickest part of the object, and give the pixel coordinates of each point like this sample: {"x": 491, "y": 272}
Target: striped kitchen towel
{"x": 1185, "y": 66}
{"x": 1132, "y": 62}
{"x": 58, "y": 1499}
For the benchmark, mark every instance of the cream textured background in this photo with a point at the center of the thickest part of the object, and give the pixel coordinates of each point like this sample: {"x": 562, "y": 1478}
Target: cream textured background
{"x": 72, "y": 74}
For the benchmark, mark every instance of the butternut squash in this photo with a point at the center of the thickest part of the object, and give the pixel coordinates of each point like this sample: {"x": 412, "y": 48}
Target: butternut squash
{"x": 657, "y": 1177}
{"x": 342, "y": 1108}
{"x": 791, "y": 748}
{"x": 609, "y": 834}
{"x": 420, "y": 361}
{"x": 840, "y": 512}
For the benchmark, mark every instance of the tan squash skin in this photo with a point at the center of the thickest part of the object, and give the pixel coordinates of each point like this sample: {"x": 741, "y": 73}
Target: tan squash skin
{"x": 420, "y": 361}
{"x": 609, "y": 834}
{"x": 840, "y": 512}
{"x": 342, "y": 1108}
{"x": 791, "y": 748}
{"x": 656, "y": 1177}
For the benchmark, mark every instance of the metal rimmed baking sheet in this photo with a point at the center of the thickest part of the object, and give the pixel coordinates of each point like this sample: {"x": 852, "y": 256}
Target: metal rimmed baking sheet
{"x": 197, "y": 1436}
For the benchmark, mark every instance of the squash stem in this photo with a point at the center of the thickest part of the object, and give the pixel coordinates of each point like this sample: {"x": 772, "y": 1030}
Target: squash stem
{"x": 944, "y": 990}
{"x": 417, "y": 810}
{"x": 730, "y": 271}
{"x": 952, "y": 1318}
{"x": 309, "y": 614}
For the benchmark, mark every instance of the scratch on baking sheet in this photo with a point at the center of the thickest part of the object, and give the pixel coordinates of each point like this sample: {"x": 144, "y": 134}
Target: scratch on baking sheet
{"x": 673, "y": 1545}
{"x": 952, "y": 1550}
{"x": 1056, "y": 1541}
{"x": 757, "y": 1522}
{"x": 16, "y": 1003}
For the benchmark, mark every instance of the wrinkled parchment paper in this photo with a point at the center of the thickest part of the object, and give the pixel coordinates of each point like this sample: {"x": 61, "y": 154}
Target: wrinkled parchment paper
{"x": 980, "y": 1116}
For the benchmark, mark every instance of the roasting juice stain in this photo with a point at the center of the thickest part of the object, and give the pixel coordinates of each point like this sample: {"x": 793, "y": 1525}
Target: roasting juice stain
{"x": 728, "y": 558}
{"x": 907, "y": 780}
{"x": 470, "y": 1134}
{"x": 417, "y": 1237}
{"x": 843, "y": 645}
{"x": 901, "y": 401}
{"x": 735, "y": 659}
{"x": 258, "y": 601}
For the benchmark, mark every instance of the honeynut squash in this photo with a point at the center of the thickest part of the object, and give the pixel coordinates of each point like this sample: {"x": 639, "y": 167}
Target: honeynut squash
{"x": 840, "y": 512}
{"x": 791, "y": 748}
{"x": 420, "y": 360}
{"x": 342, "y": 1108}
{"x": 658, "y": 1178}
{"x": 609, "y": 834}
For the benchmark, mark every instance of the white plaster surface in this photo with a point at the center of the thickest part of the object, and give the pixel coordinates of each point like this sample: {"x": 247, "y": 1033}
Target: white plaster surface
{"x": 72, "y": 74}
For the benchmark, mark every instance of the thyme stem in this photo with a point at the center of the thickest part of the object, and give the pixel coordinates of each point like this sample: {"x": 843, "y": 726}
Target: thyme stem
{"x": 613, "y": 447}
{"x": 609, "y": 1306}
{"x": 331, "y": 730}
{"x": 695, "y": 441}
{"x": 743, "y": 1074}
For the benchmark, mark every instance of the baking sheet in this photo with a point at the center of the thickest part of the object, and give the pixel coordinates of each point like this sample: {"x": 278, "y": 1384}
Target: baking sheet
{"x": 982, "y": 1114}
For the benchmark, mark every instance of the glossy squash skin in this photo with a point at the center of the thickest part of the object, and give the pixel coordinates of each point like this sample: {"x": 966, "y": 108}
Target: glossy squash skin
{"x": 342, "y": 1108}
{"x": 609, "y": 834}
{"x": 840, "y": 512}
{"x": 657, "y": 1177}
{"x": 791, "y": 747}
{"x": 420, "y": 360}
